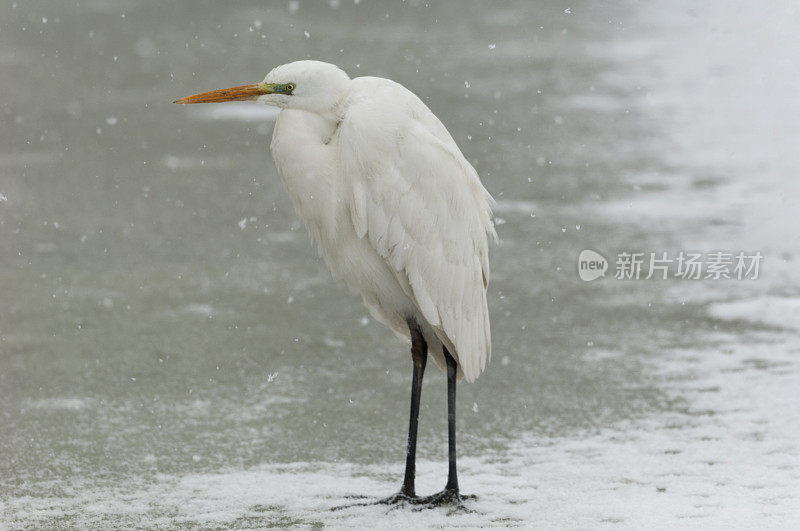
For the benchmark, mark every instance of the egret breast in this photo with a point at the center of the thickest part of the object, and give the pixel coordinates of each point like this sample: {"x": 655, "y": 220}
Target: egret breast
{"x": 305, "y": 151}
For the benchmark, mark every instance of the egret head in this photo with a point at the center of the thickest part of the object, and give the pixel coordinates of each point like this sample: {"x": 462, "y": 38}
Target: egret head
{"x": 309, "y": 85}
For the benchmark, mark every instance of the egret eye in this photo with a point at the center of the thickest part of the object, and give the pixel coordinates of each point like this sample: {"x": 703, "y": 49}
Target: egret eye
{"x": 289, "y": 87}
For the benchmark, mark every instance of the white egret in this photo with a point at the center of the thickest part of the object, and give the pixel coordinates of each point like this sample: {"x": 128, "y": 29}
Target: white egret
{"x": 397, "y": 213}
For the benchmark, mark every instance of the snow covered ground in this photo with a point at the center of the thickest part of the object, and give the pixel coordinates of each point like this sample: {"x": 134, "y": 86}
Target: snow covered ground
{"x": 731, "y": 458}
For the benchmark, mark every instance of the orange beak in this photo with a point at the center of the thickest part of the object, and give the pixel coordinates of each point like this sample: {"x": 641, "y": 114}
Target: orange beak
{"x": 245, "y": 92}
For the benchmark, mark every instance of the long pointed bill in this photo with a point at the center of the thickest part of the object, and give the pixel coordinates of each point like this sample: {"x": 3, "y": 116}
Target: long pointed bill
{"x": 245, "y": 92}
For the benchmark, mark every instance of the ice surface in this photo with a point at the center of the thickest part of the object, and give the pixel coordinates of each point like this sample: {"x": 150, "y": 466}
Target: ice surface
{"x": 728, "y": 459}
{"x": 776, "y": 311}
{"x": 65, "y": 403}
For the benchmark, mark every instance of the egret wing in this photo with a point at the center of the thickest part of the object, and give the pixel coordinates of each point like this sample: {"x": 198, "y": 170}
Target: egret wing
{"x": 425, "y": 211}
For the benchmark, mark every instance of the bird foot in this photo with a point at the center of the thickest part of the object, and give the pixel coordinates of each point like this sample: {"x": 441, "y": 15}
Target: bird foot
{"x": 395, "y": 500}
{"x": 447, "y": 497}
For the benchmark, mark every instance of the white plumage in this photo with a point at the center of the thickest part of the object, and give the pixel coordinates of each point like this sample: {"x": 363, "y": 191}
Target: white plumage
{"x": 396, "y": 210}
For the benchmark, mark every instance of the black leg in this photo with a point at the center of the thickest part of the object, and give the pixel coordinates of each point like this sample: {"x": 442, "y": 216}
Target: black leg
{"x": 452, "y": 474}
{"x": 450, "y": 495}
{"x": 419, "y": 354}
